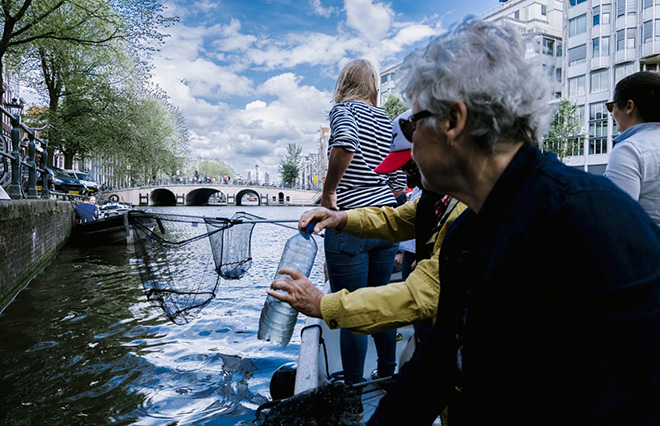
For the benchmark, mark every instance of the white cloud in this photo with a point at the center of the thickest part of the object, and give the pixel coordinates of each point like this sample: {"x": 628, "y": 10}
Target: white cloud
{"x": 371, "y": 20}
{"x": 321, "y": 10}
{"x": 241, "y": 92}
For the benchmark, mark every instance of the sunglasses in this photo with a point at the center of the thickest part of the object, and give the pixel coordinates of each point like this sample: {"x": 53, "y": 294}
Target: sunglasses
{"x": 610, "y": 105}
{"x": 410, "y": 169}
{"x": 408, "y": 125}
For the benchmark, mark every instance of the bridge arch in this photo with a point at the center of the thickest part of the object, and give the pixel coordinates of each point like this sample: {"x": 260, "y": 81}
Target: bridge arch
{"x": 200, "y": 197}
{"x": 248, "y": 197}
{"x": 162, "y": 197}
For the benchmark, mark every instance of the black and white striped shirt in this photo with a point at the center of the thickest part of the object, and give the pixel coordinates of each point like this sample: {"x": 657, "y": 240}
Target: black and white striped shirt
{"x": 366, "y": 131}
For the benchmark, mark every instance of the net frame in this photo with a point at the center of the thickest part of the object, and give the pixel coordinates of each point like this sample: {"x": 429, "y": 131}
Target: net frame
{"x": 165, "y": 255}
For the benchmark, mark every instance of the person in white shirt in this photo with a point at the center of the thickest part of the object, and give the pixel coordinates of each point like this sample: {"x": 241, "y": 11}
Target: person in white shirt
{"x": 634, "y": 164}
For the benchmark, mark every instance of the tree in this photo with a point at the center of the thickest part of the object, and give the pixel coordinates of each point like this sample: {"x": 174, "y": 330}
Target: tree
{"x": 565, "y": 131}
{"x": 394, "y": 106}
{"x": 290, "y": 166}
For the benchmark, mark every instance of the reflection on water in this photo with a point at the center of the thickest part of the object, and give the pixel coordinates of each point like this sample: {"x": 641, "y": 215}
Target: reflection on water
{"x": 82, "y": 345}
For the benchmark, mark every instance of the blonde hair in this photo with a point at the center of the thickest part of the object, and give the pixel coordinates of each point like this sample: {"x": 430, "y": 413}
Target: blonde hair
{"x": 358, "y": 81}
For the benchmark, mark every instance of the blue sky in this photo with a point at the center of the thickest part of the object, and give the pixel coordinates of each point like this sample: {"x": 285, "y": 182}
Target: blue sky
{"x": 253, "y": 76}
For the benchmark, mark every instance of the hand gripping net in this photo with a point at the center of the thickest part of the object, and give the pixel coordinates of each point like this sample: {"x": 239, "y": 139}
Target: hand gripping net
{"x": 181, "y": 258}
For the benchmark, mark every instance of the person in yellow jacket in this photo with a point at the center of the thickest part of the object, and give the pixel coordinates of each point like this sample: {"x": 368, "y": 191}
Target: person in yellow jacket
{"x": 373, "y": 309}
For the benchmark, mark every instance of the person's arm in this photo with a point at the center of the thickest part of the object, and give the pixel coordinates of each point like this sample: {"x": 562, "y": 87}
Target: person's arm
{"x": 374, "y": 309}
{"x": 344, "y": 142}
{"x": 624, "y": 169}
{"x": 338, "y": 162}
{"x": 387, "y": 223}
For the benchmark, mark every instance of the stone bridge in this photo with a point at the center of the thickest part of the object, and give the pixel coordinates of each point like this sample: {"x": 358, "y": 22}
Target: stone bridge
{"x": 220, "y": 194}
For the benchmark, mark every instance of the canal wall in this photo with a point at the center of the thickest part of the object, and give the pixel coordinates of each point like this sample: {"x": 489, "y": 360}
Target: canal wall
{"x": 31, "y": 232}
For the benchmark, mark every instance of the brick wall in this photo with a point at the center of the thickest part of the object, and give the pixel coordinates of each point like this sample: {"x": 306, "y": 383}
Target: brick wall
{"x": 31, "y": 232}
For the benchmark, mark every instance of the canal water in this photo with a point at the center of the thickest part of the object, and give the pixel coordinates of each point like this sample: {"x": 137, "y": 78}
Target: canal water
{"x": 82, "y": 345}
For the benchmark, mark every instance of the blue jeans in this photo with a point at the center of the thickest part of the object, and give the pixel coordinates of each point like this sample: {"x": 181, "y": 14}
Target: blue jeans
{"x": 355, "y": 263}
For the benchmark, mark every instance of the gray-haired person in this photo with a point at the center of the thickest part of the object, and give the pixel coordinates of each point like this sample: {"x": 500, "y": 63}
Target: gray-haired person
{"x": 549, "y": 312}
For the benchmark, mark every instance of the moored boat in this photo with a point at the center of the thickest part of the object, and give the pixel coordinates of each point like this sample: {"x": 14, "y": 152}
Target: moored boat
{"x": 112, "y": 226}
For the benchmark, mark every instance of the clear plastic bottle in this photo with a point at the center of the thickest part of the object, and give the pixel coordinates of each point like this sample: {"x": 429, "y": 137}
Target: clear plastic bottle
{"x": 279, "y": 318}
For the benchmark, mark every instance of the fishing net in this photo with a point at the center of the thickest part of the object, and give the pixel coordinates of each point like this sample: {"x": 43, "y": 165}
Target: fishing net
{"x": 332, "y": 403}
{"x": 182, "y": 258}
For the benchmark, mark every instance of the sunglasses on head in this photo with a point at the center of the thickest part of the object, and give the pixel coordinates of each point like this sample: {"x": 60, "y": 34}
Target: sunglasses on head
{"x": 408, "y": 125}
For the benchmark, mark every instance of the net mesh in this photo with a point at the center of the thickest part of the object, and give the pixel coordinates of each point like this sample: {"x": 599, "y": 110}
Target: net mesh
{"x": 182, "y": 258}
{"x": 331, "y": 403}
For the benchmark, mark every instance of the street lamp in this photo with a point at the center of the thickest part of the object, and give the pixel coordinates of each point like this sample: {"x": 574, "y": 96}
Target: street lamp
{"x": 15, "y": 107}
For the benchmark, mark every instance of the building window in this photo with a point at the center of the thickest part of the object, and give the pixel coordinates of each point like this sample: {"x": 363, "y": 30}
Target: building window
{"x": 620, "y": 7}
{"x": 595, "y": 14}
{"x": 630, "y": 40}
{"x": 383, "y": 79}
{"x": 657, "y": 29}
{"x": 516, "y": 14}
{"x": 620, "y": 41}
{"x": 600, "y": 47}
{"x": 576, "y": 2}
{"x": 648, "y": 4}
{"x": 605, "y": 14}
{"x": 559, "y": 47}
{"x": 577, "y": 25}
{"x": 544, "y": 10}
{"x": 558, "y": 74}
{"x": 647, "y": 31}
{"x": 632, "y": 7}
{"x": 577, "y": 54}
{"x": 622, "y": 71}
{"x": 598, "y": 128}
{"x": 576, "y": 86}
{"x": 548, "y": 46}
{"x": 595, "y": 48}
{"x": 599, "y": 81}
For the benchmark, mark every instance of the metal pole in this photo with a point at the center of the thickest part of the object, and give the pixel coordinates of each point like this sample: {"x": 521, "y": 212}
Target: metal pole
{"x": 32, "y": 172}
{"x": 15, "y": 186}
{"x": 44, "y": 165}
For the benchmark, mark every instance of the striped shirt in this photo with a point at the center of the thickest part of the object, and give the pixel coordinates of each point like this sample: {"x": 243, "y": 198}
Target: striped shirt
{"x": 366, "y": 131}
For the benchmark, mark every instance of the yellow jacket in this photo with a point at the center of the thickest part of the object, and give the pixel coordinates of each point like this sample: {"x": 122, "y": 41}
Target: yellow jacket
{"x": 373, "y": 309}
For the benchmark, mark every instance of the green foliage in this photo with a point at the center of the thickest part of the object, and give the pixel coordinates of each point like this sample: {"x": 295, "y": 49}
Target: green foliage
{"x": 565, "y": 131}
{"x": 394, "y": 106}
{"x": 86, "y": 58}
{"x": 289, "y": 167}
{"x": 210, "y": 167}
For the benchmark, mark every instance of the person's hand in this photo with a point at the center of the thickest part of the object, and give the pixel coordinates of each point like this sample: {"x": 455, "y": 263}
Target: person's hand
{"x": 323, "y": 218}
{"x": 329, "y": 200}
{"x": 301, "y": 294}
{"x": 398, "y": 260}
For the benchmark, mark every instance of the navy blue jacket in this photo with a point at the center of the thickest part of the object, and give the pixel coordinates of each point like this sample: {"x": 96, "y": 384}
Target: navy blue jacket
{"x": 550, "y": 305}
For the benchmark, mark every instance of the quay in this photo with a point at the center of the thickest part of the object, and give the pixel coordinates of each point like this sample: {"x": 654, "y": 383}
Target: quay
{"x": 31, "y": 233}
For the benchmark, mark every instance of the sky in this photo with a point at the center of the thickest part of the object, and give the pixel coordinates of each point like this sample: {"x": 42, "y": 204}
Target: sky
{"x": 252, "y": 76}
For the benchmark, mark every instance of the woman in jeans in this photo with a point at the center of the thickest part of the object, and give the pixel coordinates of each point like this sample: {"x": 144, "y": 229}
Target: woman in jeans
{"x": 360, "y": 137}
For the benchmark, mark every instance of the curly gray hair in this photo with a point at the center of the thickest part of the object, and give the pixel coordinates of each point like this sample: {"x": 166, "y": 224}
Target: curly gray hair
{"x": 483, "y": 65}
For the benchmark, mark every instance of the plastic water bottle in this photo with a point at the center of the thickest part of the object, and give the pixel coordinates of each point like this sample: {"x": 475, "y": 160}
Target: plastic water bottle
{"x": 279, "y": 318}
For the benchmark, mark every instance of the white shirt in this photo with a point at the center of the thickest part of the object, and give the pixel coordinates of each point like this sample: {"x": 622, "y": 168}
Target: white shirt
{"x": 634, "y": 166}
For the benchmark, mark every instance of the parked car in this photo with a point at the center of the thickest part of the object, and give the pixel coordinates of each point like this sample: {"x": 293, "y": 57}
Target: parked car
{"x": 63, "y": 182}
{"x": 85, "y": 179}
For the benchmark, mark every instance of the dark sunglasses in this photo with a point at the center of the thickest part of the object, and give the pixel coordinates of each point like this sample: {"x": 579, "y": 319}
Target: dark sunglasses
{"x": 610, "y": 105}
{"x": 410, "y": 169}
{"x": 408, "y": 125}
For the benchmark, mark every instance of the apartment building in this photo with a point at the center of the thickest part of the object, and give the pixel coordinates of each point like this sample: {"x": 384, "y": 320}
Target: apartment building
{"x": 606, "y": 40}
{"x": 541, "y": 24}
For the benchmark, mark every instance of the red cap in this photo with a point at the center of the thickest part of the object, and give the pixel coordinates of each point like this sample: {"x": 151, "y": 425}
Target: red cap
{"x": 394, "y": 161}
